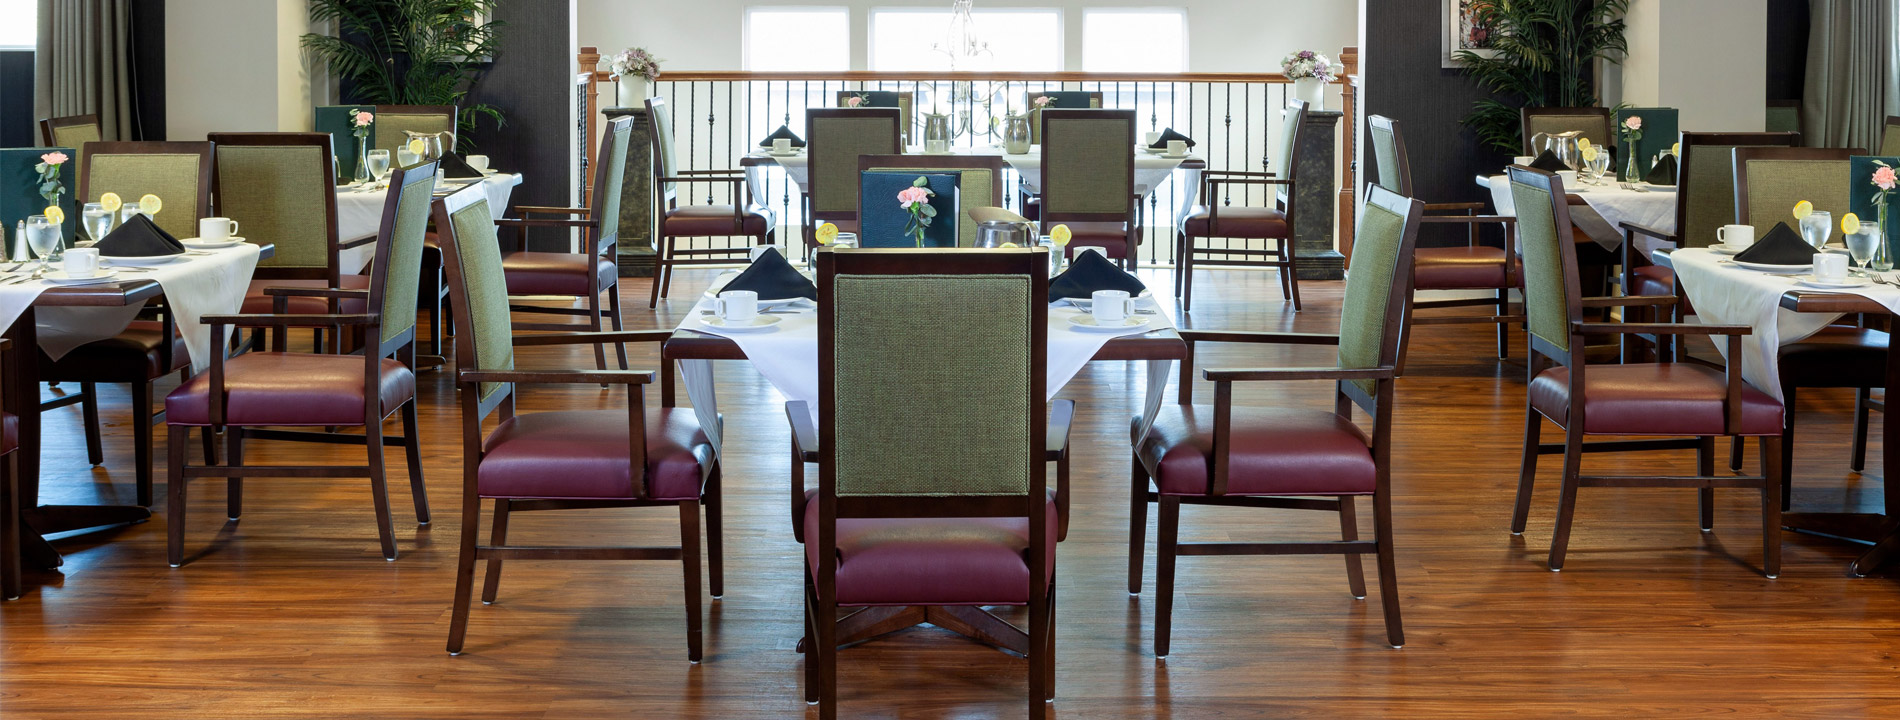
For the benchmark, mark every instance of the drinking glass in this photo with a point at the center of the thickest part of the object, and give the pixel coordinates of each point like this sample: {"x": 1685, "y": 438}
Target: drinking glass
{"x": 1601, "y": 165}
{"x": 1861, "y": 246}
{"x": 128, "y": 211}
{"x": 379, "y": 165}
{"x": 1816, "y": 227}
{"x": 404, "y": 158}
{"x": 43, "y": 237}
{"x": 97, "y": 221}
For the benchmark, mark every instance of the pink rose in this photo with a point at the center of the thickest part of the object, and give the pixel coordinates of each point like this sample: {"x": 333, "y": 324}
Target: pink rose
{"x": 363, "y": 118}
{"x": 1883, "y": 178}
{"x": 853, "y": 101}
{"x": 56, "y": 157}
{"x": 1044, "y": 101}
{"x": 1633, "y": 122}
{"x": 911, "y": 195}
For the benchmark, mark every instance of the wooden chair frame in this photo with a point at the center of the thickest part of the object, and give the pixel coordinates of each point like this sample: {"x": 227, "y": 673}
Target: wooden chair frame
{"x": 668, "y": 253}
{"x": 1130, "y": 218}
{"x": 49, "y": 125}
{"x": 1544, "y": 355}
{"x": 814, "y": 116}
{"x": 1281, "y": 188}
{"x": 331, "y": 273}
{"x": 10, "y": 524}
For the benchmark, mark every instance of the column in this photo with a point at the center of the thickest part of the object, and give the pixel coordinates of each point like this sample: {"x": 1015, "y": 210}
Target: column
{"x": 1315, "y": 198}
{"x": 636, "y": 255}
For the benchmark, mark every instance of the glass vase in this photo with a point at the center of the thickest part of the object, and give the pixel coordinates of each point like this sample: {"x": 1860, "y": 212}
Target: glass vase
{"x": 1883, "y": 255}
{"x": 362, "y": 162}
{"x": 1631, "y": 175}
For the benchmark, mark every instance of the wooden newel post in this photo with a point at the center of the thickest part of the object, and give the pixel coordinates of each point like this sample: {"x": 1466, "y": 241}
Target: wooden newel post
{"x": 587, "y": 63}
{"x": 1349, "y": 150}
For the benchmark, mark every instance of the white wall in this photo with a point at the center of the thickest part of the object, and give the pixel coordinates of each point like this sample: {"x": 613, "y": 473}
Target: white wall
{"x": 235, "y": 65}
{"x": 1223, "y": 35}
{"x": 1701, "y": 56}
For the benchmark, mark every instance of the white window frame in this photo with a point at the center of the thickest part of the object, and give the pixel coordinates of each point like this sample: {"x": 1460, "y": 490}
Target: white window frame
{"x": 1060, "y": 40}
{"x": 1182, "y": 11}
{"x": 745, "y": 42}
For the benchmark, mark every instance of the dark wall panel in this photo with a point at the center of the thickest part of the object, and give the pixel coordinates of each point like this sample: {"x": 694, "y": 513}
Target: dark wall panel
{"x": 530, "y": 82}
{"x": 16, "y": 100}
{"x": 1787, "y": 48}
{"x": 148, "y": 68}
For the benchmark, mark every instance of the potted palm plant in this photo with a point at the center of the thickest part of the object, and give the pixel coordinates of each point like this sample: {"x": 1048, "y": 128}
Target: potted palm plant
{"x": 409, "y": 52}
{"x": 1541, "y": 55}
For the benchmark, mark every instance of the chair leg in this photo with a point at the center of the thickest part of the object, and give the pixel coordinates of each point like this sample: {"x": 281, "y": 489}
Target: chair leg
{"x": 1349, "y": 531}
{"x": 1527, "y": 474}
{"x": 497, "y": 537}
{"x": 666, "y": 280}
{"x": 234, "y": 485}
{"x": 379, "y": 488}
{"x": 1771, "y": 450}
{"x": 142, "y": 440}
{"x": 1179, "y": 255}
{"x": 9, "y": 527}
{"x": 1858, "y": 460}
{"x": 1291, "y": 255}
{"x": 1137, "y": 525}
{"x": 613, "y": 306}
{"x": 1567, "y": 499}
{"x": 1786, "y": 462}
{"x": 208, "y": 439}
{"x": 1735, "y": 446}
{"x": 1503, "y": 328}
{"x": 1405, "y": 334}
{"x": 1705, "y": 466}
{"x": 827, "y": 648}
{"x": 593, "y": 323}
{"x": 662, "y": 263}
{"x": 1388, "y": 569}
{"x": 89, "y": 412}
{"x": 1167, "y": 541}
{"x": 714, "y": 500}
{"x": 175, "y": 495}
{"x": 1187, "y": 272}
{"x": 689, "y": 558}
{"x": 1037, "y": 655}
{"x": 465, "y": 570}
{"x": 810, "y": 644}
{"x": 412, "y": 451}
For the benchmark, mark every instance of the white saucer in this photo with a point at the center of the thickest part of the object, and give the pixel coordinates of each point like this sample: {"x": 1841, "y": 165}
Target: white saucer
{"x": 761, "y": 322}
{"x": 1086, "y": 323}
{"x": 1175, "y": 157}
{"x": 764, "y": 304}
{"x": 59, "y": 277}
{"x": 1848, "y": 282}
{"x": 115, "y": 260}
{"x": 196, "y": 244}
{"x": 779, "y": 154}
{"x": 1765, "y": 267}
{"x": 1725, "y": 249}
{"x": 1154, "y": 150}
{"x": 1144, "y": 300}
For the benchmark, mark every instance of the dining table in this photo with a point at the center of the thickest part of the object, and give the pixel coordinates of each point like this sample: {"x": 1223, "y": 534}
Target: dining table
{"x": 55, "y": 318}
{"x": 1600, "y": 209}
{"x": 1779, "y": 310}
{"x": 359, "y": 213}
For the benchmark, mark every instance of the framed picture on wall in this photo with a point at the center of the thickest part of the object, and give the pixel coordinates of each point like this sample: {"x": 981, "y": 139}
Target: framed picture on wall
{"x": 1463, "y": 31}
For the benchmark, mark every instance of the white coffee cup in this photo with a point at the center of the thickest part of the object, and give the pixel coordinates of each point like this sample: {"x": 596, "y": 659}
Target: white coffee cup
{"x": 1738, "y": 237}
{"x": 1177, "y": 148}
{"x": 781, "y": 146}
{"x": 845, "y": 240}
{"x": 739, "y": 307}
{"x": 1111, "y": 307}
{"x": 1151, "y": 139}
{"x": 1569, "y": 177}
{"x": 1076, "y": 252}
{"x": 82, "y": 262}
{"x": 759, "y": 251}
{"x": 478, "y": 162}
{"x": 1830, "y": 267}
{"x": 212, "y": 229}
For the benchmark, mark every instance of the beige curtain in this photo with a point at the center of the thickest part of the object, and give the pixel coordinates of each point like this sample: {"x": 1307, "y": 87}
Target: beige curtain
{"x": 84, "y": 64}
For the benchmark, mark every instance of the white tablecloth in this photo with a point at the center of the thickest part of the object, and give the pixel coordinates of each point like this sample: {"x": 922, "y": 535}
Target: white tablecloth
{"x": 1654, "y": 207}
{"x": 1727, "y": 294}
{"x": 198, "y": 285}
{"x": 787, "y": 356}
{"x": 359, "y": 214}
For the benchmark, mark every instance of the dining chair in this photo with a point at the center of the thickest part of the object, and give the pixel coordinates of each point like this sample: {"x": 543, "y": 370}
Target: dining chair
{"x": 1768, "y": 183}
{"x": 905, "y": 102}
{"x": 834, "y": 140}
{"x": 179, "y": 173}
{"x": 10, "y": 523}
{"x": 1270, "y": 223}
{"x": 1681, "y": 405}
{"x": 393, "y": 120}
{"x": 980, "y": 180}
{"x": 1593, "y": 121}
{"x": 1783, "y": 116}
{"x": 1058, "y": 99}
{"x": 72, "y": 131}
{"x": 908, "y": 526}
{"x": 744, "y": 216}
{"x": 249, "y": 394}
{"x": 1890, "y": 137}
{"x": 1088, "y": 180}
{"x": 1259, "y": 457}
{"x": 586, "y": 274}
{"x": 1471, "y": 267}
{"x": 569, "y": 459}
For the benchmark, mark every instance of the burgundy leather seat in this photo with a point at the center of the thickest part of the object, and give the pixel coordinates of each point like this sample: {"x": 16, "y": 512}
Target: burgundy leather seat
{"x": 542, "y": 273}
{"x": 132, "y": 356}
{"x": 714, "y": 220}
{"x": 1110, "y": 236}
{"x": 1274, "y": 452}
{"x": 582, "y": 455}
{"x": 1836, "y": 357}
{"x": 328, "y": 391}
{"x": 256, "y": 302}
{"x": 1466, "y": 267}
{"x": 1652, "y": 280}
{"x": 1654, "y": 399}
{"x": 931, "y": 561}
{"x": 1238, "y": 221}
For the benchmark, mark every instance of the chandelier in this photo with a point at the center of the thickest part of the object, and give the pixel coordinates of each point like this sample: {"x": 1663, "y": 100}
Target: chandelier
{"x": 960, "y": 41}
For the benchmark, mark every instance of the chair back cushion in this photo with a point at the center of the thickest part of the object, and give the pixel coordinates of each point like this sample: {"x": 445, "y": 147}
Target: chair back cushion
{"x": 480, "y": 283}
{"x": 282, "y": 194}
{"x": 611, "y": 178}
{"x": 904, "y": 102}
{"x": 134, "y": 170}
{"x": 1389, "y": 154}
{"x": 1061, "y": 99}
{"x": 834, "y": 140}
{"x": 663, "y": 157}
{"x": 399, "y": 251}
{"x": 1381, "y": 273}
{"x": 1088, "y": 163}
{"x": 1706, "y": 181}
{"x": 1889, "y": 139}
{"x": 1772, "y": 185}
{"x": 1286, "y": 163}
{"x": 1546, "y": 285}
{"x": 392, "y": 121}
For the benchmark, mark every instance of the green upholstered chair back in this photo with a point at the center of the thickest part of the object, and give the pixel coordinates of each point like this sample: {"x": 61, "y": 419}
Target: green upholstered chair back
{"x": 1593, "y": 121}
{"x": 1705, "y": 197}
{"x": 906, "y": 103}
{"x": 1286, "y": 152}
{"x": 1783, "y": 117}
{"x": 1088, "y": 164}
{"x": 398, "y": 272}
{"x": 178, "y": 173}
{"x": 478, "y": 289}
{"x": 1388, "y": 150}
{"x": 937, "y": 398}
{"x": 1769, "y": 181}
{"x": 393, "y": 120}
{"x": 1544, "y": 245}
{"x": 1380, "y": 281}
{"x": 1890, "y": 137}
{"x": 1035, "y": 116}
{"x": 834, "y": 139}
{"x": 73, "y": 132}
{"x": 663, "y": 158}
{"x": 980, "y": 181}
{"x": 610, "y": 178}
{"x": 277, "y": 186}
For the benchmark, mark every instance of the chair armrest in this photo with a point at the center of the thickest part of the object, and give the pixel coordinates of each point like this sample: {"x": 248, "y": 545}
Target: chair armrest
{"x": 1630, "y": 301}
{"x": 727, "y": 171}
{"x": 262, "y": 320}
{"x": 563, "y": 377}
{"x": 338, "y": 293}
{"x": 542, "y": 222}
{"x": 357, "y": 243}
{"x": 1441, "y": 207}
{"x": 1660, "y": 329}
{"x": 1631, "y": 227}
{"x": 804, "y": 434}
{"x": 584, "y": 338}
{"x": 1258, "y": 337}
{"x": 1236, "y": 173}
{"x": 1504, "y": 219}
{"x": 729, "y": 179}
{"x": 1308, "y": 373}
{"x": 1061, "y": 416}
{"x": 545, "y": 210}
{"x": 1214, "y": 181}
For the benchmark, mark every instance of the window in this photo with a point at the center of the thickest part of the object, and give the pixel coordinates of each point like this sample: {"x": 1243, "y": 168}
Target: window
{"x": 1019, "y": 39}
{"x": 19, "y": 24}
{"x": 1134, "y": 40}
{"x": 796, "y": 38}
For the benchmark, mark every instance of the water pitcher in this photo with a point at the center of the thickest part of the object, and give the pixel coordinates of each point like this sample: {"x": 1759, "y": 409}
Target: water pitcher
{"x": 1563, "y": 145}
{"x": 1016, "y": 134}
{"x": 936, "y": 133}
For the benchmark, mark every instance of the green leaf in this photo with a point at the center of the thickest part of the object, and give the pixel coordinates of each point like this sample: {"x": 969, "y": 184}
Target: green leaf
{"x": 920, "y": 182}
{"x": 927, "y": 211}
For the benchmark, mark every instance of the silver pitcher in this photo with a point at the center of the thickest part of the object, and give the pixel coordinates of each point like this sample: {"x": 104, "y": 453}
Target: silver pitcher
{"x": 1563, "y": 145}
{"x": 1016, "y": 134}
{"x": 994, "y": 233}
{"x": 937, "y": 133}
{"x": 433, "y": 143}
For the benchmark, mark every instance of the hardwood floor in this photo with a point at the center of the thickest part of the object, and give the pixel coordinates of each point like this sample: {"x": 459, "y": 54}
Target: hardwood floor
{"x": 292, "y": 612}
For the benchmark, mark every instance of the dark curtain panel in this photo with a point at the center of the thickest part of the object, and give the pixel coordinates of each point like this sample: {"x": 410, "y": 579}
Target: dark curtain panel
{"x": 84, "y": 64}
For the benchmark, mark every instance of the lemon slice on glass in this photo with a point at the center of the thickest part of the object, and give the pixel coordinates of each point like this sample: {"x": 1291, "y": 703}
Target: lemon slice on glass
{"x": 1589, "y": 153}
{"x": 826, "y": 233}
{"x": 1008, "y": 245}
{"x": 110, "y": 202}
{"x": 1060, "y": 235}
{"x": 53, "y": 213}
{"x": 1676, "y": 149}
{"x": 417, "y": 147}
{"x": 1803, "y": 209}
{"x": 1850, "y": 223}
{"x": 1583, "y": 143}
{"x": 150, "y": 204}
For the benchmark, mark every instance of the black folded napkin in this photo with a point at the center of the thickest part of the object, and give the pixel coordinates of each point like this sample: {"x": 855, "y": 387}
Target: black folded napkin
{"x": 138, "y": 237}
{"x": 1170, "y": 134}
{"x": 1664, "y": 173}
{"x": 1089, "y": 272}
{"x": 456, "y": 168}
{"x": 782, "y": 132}
{"x": 773, "y": 279}
{"x": 1548, "y": 163}
{"x": 1781, "y": 246}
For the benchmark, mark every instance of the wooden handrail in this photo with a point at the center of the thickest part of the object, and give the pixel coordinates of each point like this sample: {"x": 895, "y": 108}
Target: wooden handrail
{"x": 894, "y": 76}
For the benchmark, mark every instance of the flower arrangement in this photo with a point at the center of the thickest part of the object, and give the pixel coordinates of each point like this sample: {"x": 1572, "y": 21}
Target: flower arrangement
{"x": 1882, "y": 178}
{"x": 857, "y": 100}
{"x": 1632, "y": 129}
{"x": 636, "y": 62}
{"x": 360, "y": 120}
{"x": 1044, "y": 101}
{"x": 1307, "y": 64}
{"x": 916, "y": 199}
{"x": 51, "y": 189}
